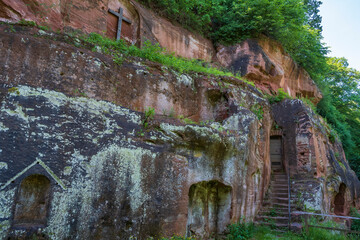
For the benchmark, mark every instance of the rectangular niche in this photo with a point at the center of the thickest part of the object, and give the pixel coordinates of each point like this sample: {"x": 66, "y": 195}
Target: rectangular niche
{"x": 209, "y": 209}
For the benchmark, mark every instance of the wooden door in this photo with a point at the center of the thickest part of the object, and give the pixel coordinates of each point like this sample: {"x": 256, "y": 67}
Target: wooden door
{"x": 276, "y": 152}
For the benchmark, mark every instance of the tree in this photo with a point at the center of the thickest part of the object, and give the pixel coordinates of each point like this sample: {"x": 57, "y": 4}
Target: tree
{"x": 312, "y": 14}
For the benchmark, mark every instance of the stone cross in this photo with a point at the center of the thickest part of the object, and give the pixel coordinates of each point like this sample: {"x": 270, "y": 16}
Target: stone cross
{"x": 120, "y": 19}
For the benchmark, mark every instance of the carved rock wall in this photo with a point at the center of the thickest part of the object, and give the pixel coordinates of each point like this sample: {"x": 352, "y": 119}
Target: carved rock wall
{"x": 65, "y": 114}
{"x": 317, "y": 164}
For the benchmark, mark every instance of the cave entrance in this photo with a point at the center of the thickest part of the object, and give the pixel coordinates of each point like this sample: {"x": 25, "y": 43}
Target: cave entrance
{"x": 32, "y": 201}
{"x": 339, "y": 201}
{"x": 276, "y": 153}
{"x": 209, "y": 209}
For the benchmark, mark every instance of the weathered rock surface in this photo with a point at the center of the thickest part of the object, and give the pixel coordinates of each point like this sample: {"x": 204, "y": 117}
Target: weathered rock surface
{"x": 265, "y": 62}
{"x": 262, "y": 61}
{"x": 111, "y": 177}
{"x": 74, "y": 146}
{"x": 93, "y": 16}
{"x": 316, "y": 161}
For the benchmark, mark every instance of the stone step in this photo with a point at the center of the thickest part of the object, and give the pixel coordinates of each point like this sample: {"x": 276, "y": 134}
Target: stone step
{"x": 279, "y": 194}
{"x": 274, "y": 183}
{"x": 284, "y": 226}
{"x": 279, "y": 177}
{"x": 273, "y": 219}
{"x": 280, "y": 190}
{"x": 273, "y": 186}
{"x": 278, "y": 213}
{"x": 277, "y": 225}
{"x": 279, "y": 199}
{"x": 275, "y": 204}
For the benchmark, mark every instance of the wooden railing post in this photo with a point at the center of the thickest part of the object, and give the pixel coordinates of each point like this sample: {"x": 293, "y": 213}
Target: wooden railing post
{"x": 307, "y": 224}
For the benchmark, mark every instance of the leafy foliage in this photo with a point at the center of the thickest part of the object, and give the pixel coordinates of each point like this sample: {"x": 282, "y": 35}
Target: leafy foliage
{"x": 324, "y": 234}
{"x": 240, "y": 231}
{"x": 340, "y": 106}
{"x": 355, "y": 224}
{"x": 296, "y": 24}
{"x": 281, "y": 95}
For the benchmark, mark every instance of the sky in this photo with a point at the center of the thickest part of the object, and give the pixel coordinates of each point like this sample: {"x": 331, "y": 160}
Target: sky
{"x": 341, "y": 29}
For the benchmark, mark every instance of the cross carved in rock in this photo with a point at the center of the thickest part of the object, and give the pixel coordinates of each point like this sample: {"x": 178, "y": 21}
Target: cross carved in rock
{"x": 120, "y": 19}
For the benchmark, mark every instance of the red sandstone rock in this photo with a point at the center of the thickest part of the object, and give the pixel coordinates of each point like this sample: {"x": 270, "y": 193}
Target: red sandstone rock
{"x": 266, "y": 63}
{"x": 93, "y": 16}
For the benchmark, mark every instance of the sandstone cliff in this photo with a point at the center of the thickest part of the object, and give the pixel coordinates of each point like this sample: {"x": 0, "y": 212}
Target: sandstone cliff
{"x": 263, "y": 61}
{"x": 73, "y": 136}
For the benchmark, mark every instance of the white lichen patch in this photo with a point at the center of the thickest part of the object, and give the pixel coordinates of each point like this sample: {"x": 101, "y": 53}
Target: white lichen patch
{"x": 184, "y": 79}
{"x": 3, "y": 128}
{"x": 3, "y": 165}
{"x": 4, "y": 226}
{"x": 6, "y": 200}
{"x": 17, "y": 112}
{"x": 124, "y": 165}
{"x": 80, "y": 104}
{"x": 200, "y": 131}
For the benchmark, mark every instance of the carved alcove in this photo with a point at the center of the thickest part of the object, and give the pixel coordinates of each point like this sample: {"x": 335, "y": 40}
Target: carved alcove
{"x": 32, "y": 202}
{"x": 209, "y": 208}
{"x": 339, "y": 201}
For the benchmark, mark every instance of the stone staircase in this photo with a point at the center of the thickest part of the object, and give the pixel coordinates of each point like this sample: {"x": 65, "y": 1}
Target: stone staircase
{"x": 275, "y": 208}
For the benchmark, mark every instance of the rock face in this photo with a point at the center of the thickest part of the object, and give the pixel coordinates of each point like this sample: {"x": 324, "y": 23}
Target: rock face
{"x": 93, "y": 16}
{"x": 110, "y": 176}
{"x": 79, "y": 159}
{"x": 322, "y": 179}
{"x": 265, "y": 62}
{"x": 262, "y": 61}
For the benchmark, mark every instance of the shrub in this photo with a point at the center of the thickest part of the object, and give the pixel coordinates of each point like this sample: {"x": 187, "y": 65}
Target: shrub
{"x": 281, "y": 95}
{"x": 355, "y": 224}
{"x": 240, "y": 231}
{"x": 323, "y": 234}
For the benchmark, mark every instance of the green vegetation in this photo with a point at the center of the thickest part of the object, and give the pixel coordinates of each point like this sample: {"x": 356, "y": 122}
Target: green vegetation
{"x": 240, "y": 231}
{"x": 340, "y": 107}
{"x": 119, "y": 50}
{"x": 179, "y": 238}
{"x": 294, "y": 23}
{"x": 149, "y": 115}
{"x": 249, "y": 231}
{"x": 309, "y": 103}
{"x": 281, "y": 95}
{"x": 258, "y": 110}
{"x": 355, "y": 224}
{"x": 324, "y": 234}
{"x": 14, "y": 90}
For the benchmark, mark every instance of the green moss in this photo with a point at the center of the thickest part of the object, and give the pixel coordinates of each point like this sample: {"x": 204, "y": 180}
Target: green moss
{"x": 14, "y": 90}
{"x": 258, "y": 110}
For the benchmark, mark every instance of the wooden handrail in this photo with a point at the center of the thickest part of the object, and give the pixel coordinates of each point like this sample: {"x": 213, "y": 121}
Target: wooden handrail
{"x": 289, "y": 197}
{"x": 324, "y": 215}
{"x": 307, "y": 225}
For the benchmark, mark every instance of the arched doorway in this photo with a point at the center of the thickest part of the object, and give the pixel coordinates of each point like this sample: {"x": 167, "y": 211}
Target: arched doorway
{"x": 339, "y": 201}
{"x": 209, "y": 208}
{"x": 32, "y": 201}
